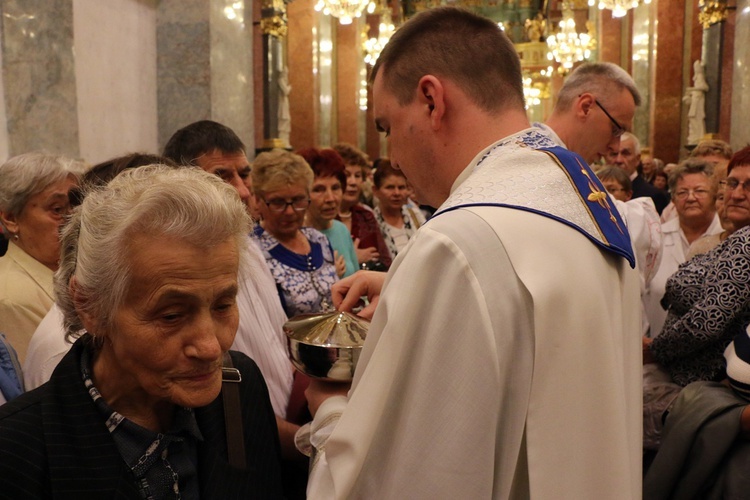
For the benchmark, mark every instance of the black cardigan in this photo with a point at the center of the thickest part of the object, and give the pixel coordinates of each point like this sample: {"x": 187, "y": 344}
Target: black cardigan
{"x": 54, "y": 443}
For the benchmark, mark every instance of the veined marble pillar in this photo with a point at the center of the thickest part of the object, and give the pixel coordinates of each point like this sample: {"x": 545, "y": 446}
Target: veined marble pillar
{"x": 276, "y": 90}
{"x": 712, "y": 17}
{"x": 666, "y": 97}
{"x": 205, "y": 65}
{"x": 39, "y": 80}
{"x": 349, "y": 75}
{"x": 302, "y": 44}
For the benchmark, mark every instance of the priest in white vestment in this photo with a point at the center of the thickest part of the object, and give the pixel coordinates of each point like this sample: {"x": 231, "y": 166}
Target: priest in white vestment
{"x": 503, "y": 360}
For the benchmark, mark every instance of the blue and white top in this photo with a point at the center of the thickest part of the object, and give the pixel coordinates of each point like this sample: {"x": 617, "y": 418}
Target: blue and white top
{"x": 303, "y": 281}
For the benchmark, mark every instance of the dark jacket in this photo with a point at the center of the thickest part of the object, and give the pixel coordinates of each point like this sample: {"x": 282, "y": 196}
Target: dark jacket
{"x": 641, "y": 189}
{"x": 54, "y": 443}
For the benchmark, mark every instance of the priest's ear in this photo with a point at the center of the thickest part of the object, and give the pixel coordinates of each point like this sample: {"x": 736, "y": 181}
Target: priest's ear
{"x": 584, "y": 104}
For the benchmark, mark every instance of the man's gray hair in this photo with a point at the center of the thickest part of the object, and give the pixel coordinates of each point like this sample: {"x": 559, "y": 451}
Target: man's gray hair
{"x": 26, "y": 175}
{"x": 636, "y": 143}
{"x": 186, "y": 204}
{"x": 601, "y": 79}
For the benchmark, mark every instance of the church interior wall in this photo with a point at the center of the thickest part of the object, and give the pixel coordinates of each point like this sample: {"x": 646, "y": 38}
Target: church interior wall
{"x": 96, "y": 79}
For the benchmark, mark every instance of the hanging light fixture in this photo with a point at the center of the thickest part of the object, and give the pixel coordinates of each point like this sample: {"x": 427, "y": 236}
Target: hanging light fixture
{"x": 567, "y": 46}
{"x": 345, "y": 10}
{"x": 373, "y": 46}
{"x": 618, "y": 7}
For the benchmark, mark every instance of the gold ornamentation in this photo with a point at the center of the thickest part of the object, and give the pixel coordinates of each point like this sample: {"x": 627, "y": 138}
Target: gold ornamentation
{"x": 712, "y": 12}
{"x": 566, "y": 45}
{"x": 618, "y": 7}
{"x": 345, "y": 10}
{"x": 535, "y": 28}
{"x": 599, "y": 196}
{"x": 274, "y": 143}
{"x": 274, "y": 26}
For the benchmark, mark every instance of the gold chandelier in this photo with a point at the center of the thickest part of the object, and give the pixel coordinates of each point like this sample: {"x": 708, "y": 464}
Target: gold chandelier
{"x": 618, "y": 7}
{"x": 567, "y": 46}
{"x": 345, "y": 10}
{"x": 373, "y": 46}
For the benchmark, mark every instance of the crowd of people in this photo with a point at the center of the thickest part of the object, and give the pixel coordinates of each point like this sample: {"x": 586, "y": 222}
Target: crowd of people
{"x": 555, "y": 313}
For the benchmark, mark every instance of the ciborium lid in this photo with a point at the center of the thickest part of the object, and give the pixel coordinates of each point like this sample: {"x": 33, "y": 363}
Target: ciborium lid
{"x": 329, "y": 329}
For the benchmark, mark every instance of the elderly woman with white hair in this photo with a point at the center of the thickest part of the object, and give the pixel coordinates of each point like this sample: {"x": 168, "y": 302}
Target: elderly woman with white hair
{"x": 145, "y": 404}
{"x": 33, "y": 205}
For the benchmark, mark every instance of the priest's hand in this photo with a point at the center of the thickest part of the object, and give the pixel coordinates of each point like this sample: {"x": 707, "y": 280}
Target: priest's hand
{"x": 320, "y": 390}
{"x": 347, "y": 293}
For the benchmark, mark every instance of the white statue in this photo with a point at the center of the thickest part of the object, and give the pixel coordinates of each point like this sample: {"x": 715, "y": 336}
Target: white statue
{"x": 696, "y": 97}
{"x": 283, "y": 116}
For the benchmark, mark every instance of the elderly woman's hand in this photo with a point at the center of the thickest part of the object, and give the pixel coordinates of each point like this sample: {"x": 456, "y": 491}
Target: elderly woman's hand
{"x": 365, "y": 254}
{"x": 340, "y": 264}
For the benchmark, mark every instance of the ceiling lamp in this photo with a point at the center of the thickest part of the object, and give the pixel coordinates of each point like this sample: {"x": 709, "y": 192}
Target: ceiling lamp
{"x": 373, "y": 46}
{"x": 345, "y": 10}
{"x": 567, "y": 46}
{"x": 618, "y": 7}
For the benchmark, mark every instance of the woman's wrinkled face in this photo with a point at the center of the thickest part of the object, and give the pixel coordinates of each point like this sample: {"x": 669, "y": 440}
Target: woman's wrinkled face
{"x": 354, "y": 181}
{"x": 177, "y": 319}
{"x": 286, "y": 223}
{"x": 325, "y": 201}
{"x": 721, "y": 210}
{"x": 38, "y": 225}
{"x": 737, "y": 199}
{"x": 693, "y": 197}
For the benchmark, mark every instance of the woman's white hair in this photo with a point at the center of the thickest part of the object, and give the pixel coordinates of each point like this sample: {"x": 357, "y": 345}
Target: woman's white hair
{"x": 26, "y": 175}
{"x": 156, "y": 201}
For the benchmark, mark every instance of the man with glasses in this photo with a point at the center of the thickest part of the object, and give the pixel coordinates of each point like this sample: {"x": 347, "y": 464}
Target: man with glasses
{"x": 595, "y": 107}
{"x": 627, "y": 156}
{"x": 594, "y": 110}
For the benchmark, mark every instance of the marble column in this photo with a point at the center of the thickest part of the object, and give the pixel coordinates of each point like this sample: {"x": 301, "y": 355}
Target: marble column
{"x": 667, "y": 91}
{"x": 204, "y": 65}
{"x": 712, "y": 17}
{"x": 349, "y": 63}
{"x": 115, "y": 67}
{"x": 39, "y": 80}
{"x": 740, "y": 128}
{"x": 643, "y": 63}
{"x": 302, "y": 43}
{"x": 275, "y": 87}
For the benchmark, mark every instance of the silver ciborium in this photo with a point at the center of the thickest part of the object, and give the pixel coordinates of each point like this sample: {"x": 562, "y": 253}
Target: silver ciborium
{"x": 326, "y": 345}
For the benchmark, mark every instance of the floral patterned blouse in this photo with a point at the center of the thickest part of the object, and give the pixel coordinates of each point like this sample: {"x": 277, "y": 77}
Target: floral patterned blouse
{"x": 413, "y": 220}
{"x": 708, "y": 303}
{"x": 303, "y": 281}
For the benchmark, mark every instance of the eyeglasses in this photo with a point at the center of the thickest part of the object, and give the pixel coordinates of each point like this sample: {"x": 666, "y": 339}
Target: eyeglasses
{"x": 731, "y": 184}
{"x": 699, "y": 194}
{"x": 298, "y": 204}
{"x": 617, "y": 129}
